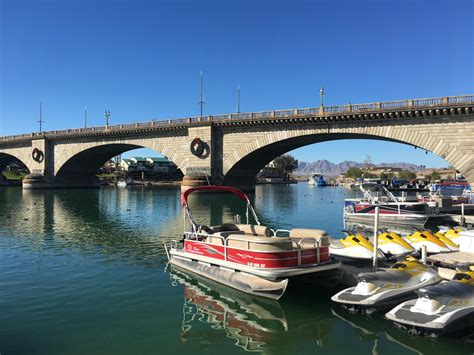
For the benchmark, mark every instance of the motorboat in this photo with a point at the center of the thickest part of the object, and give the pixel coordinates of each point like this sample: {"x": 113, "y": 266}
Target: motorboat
{"x": 121, "y": 183}
{"x": 433, "y": 244}
{"x": 445, "y": 308}
{"x": 391, "y": 210}
{"x": 378, "y": 290}
{"x": 250, "y": 257}
{"x": 317, "y": 180}
{"x": 392, "y": 244}
{"x": 457, "y": 190}
{"x": 355, "y": 249}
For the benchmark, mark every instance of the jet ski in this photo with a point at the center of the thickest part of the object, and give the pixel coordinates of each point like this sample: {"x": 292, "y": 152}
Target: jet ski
{"x": 443, "y": 309}
{"x": 354, "y": 248}
{"x": 433, "y": 244}
{"x": 387, "y": 287}
{"x": 390, "y": 243}
{"x": 447, "y": 241}
{"x": 461, "y": 237}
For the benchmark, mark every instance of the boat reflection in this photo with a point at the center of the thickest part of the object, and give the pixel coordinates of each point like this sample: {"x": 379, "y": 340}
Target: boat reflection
{"x": 384, "y": 335}
{"x": 251, "y": 321}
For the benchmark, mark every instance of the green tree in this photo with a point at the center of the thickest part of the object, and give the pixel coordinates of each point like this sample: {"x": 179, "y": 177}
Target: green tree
{"x": 285, "y": 164}
{"x": 386, "y": 176}
{"x": 435, "y": 176}
{"x": 407, "y": 174}
{"x": 354, "y": 172}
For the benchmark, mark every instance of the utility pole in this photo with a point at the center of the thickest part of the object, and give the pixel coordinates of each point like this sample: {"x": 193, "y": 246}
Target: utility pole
{"x": 201, "y": 101}
{"x": 238, "y": 98}
{"x": 107, "y": 115}
{"x": 85, "y": 117}
{"x": 40, "y": 121}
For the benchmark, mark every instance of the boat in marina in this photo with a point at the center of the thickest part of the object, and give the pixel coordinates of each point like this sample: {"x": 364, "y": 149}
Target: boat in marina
{"x": 445, "y": 308}
{"x": 392, "y": 211}
{"x": 251, "y": 257}
{"x": 317, "y": 180}
{"x": 376, "y": 291}
{"x": 457, "y": 191}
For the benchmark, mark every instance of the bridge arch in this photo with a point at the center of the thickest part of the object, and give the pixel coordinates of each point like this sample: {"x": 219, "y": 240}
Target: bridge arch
{"x": 7, "y": 158}
{"x": 245, "y": 161}
{"x": 77, "y": 165}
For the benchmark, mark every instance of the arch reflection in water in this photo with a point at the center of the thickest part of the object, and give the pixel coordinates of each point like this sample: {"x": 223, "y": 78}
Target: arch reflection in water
{"x": 120, "y": 225}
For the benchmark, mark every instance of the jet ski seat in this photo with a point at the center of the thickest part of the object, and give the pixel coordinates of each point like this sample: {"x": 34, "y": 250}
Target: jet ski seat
{"x": 389, "y": 276}
{"x": 450, "y": 289}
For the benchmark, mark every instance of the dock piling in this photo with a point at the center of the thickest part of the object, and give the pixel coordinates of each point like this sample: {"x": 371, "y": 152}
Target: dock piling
{"x": 376, "y": 238}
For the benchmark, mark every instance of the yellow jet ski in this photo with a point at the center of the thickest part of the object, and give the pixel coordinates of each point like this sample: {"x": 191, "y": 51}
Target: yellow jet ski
{"x": 446, "y": 308}
{"x": 390, "y": 243}
{"x": 387, "y": 287}
{"x": 433, "y": 244}
{"x": 354, "y": 248}
{"x": 446, "y": 240}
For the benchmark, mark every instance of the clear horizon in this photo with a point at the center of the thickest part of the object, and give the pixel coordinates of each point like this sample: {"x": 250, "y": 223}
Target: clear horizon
{"x": 142, "y": 60}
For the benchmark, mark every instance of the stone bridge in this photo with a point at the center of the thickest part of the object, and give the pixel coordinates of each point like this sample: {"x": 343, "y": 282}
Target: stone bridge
{"x": 238, "y": 146}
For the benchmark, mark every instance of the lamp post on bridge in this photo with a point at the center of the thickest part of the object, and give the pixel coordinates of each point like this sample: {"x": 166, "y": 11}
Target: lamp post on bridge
{"x": 107, "y": 115}
{"x": 321, "y": 100}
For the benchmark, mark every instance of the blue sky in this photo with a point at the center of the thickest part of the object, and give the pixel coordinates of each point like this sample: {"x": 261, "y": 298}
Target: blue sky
{"x": 141, "y": 60}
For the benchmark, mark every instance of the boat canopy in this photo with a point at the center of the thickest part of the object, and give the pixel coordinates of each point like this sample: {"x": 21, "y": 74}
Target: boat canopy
{"x": 217, "y": 188}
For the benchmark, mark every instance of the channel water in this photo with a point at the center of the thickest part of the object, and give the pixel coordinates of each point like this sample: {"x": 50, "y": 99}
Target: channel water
{"x": 85, "y": 272}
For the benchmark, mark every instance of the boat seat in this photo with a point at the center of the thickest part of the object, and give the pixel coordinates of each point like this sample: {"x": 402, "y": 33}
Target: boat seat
{"x": 318, "y": 234}
{"x": 227, "y": 233}
{"x": 253, "y": 243}
{"x": 255, "y": 230}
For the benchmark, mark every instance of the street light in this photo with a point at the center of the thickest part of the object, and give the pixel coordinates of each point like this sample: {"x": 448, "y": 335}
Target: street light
{"x": 107, "y": 115}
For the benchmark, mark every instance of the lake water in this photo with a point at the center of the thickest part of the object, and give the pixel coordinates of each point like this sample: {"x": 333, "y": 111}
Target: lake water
{"x": 85, "y": 272}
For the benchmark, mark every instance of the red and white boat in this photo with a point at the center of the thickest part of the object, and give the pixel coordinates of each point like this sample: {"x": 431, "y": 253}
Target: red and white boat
{"x": 391, "y": 210}
{"x": 251, "y": 257}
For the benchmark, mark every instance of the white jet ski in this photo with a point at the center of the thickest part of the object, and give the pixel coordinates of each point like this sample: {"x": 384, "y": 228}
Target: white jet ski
{"x": 387, "y": 287}
{"x": 442, "y": 309}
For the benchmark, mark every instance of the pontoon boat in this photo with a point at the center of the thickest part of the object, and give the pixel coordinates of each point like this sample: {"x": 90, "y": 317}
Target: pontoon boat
{"x": 250, "y": 257}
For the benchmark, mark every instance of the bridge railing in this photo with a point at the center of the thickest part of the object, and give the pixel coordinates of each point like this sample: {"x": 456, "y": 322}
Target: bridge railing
{"x": 311, "y": 111}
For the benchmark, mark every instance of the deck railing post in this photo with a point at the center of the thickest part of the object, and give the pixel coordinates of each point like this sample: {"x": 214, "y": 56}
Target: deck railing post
{"x": 376, "y": 237}
{"x": 318, "y": 252}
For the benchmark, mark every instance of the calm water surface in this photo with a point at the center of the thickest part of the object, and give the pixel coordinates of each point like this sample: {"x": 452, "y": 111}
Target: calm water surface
{"x": 84, "y": 272}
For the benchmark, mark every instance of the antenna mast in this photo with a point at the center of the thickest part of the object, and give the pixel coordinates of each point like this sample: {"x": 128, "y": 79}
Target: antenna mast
{"x": 40, "y": 121}
{"x": 201, "y": 101}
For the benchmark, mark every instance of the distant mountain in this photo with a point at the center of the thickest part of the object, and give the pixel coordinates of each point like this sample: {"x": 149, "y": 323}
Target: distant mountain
{"x": 327, "y": 168}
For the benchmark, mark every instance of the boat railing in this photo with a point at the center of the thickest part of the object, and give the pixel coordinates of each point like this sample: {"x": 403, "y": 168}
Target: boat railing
{"x": 200, "y": 238}
{"x": 278, "y": 232}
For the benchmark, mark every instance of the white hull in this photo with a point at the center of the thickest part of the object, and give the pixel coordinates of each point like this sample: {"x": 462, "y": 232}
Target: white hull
{"x": 394, "y": 219}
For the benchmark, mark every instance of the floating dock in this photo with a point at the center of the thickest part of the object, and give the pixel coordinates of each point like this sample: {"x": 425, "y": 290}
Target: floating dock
{"x": 452, "y": 260}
